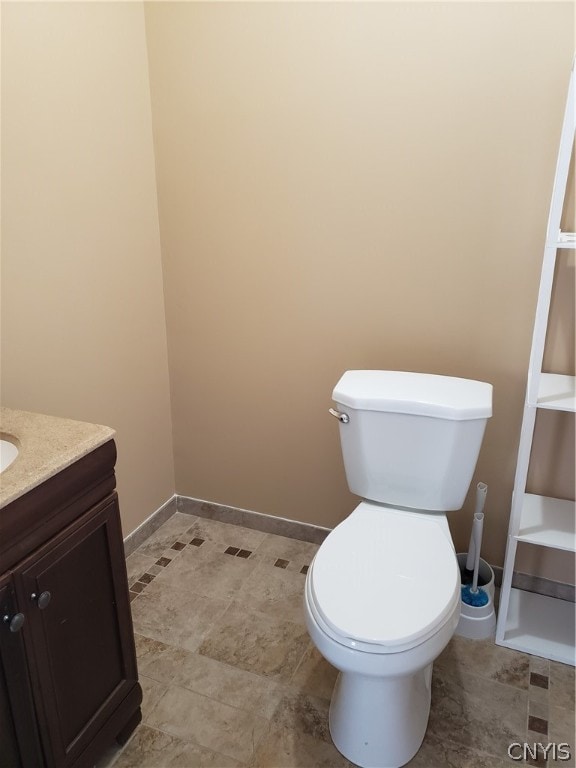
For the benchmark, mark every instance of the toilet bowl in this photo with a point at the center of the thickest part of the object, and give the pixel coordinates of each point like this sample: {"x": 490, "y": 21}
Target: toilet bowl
{"x": 371, "y": 614}
{"x": 382, "y": 596}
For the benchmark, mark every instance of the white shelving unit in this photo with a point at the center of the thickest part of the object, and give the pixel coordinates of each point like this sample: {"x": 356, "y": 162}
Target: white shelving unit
{"x": 529, "y": 622}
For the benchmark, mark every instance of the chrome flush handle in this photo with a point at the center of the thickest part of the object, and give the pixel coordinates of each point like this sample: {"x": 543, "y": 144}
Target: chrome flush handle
{"x": 343, "y": 418}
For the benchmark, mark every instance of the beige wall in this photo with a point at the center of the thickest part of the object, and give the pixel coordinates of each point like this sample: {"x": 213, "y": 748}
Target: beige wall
{"x": 341, "y": 185}
{"x": 83, "y": 330}
{"x": 348, "y": 185}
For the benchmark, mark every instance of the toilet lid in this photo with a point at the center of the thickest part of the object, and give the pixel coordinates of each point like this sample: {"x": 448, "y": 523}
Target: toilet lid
{"x": 385, "y": 576}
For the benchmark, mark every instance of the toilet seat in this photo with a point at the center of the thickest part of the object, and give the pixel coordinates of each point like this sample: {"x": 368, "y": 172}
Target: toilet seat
{"x": 385, "y": 579}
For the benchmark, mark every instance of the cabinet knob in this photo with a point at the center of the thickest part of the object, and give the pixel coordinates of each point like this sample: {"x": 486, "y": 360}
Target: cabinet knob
{"x": 42, "y": 600}
{"x": 15, "y": 622}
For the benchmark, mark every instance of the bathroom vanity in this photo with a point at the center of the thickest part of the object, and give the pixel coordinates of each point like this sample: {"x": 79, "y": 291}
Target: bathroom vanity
{"x": 68, "y": 678}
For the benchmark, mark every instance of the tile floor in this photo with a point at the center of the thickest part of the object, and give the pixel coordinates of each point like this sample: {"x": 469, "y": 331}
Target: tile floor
{"x": 230, "y": 677}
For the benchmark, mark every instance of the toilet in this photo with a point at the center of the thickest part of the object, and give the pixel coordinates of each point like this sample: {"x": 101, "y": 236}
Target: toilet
{"x": 382, "y": 595}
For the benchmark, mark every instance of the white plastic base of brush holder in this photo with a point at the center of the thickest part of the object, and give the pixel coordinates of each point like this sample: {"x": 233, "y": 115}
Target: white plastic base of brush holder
{"x": 478, "y": 623}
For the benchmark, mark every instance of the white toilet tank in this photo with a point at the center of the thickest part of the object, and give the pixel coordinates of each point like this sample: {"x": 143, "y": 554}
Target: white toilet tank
{"x": 411, "y": 439}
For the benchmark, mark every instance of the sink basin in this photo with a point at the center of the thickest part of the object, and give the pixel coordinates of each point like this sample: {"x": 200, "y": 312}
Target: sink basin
{"x": 8, "y": 452}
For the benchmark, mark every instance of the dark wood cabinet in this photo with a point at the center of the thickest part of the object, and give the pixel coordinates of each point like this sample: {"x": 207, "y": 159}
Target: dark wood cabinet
{"x": 19, "y": 742}
{"x": 68, "y": 677}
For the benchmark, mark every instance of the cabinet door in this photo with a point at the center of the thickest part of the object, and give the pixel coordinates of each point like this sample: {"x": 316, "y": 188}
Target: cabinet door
{"x": 80, "y": 631}
{"x": 19, "y": 743}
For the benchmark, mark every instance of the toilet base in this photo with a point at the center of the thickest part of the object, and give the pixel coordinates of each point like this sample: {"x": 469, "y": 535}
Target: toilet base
{"x": 380, "y": 722}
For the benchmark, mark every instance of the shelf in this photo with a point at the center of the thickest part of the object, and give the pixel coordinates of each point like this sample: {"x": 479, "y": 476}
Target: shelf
{"x": 529, "y": 622}
{"x": 548, "y": 522}
{"x": 566, "y": 240}
{"x": 540, "y": 625}
{"x": 557, "y": 392}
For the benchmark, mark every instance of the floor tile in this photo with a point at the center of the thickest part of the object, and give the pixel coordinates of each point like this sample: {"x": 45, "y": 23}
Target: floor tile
{"x": 478, "y": 713}
{"x": 539, "y": 665}
{"x": 443, "y": 753}
{"x": 166, "y": 535}
{"x": 562, "y": 730}
{"x": 562, "y": 685}
{"x": 275, "y": 592}
{"x": 147, "y": 647}
{"x": 538, "y": 708}
{"x": 137, "y": 564}
{"x": 256, "y": 642}
{"x": 214, "y": 575}
{"x": 151, "y": 748}
{"x": 486, "y": 659}
{"x": 225, "y": 533}
{"x": 211, "y": 724}
{"x": 288, "y": 549}
{"x": 152, "y": 692}
{"x": 229, "y": 685}
{"x": 176, "y": 618}
{"x": 300, "y": 712}
{"x": 286, "y": 748}
{"x": 230, "y": 676}
{"x": 314, "y": 675}
{"x": 538, "y": 692}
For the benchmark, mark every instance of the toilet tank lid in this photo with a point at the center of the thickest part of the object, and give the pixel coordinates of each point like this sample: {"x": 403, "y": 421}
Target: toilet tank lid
{"x": 421, "y": 394}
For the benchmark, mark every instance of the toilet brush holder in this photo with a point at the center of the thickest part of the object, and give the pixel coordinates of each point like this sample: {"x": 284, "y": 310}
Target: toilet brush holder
{"x": 477, "y": 622}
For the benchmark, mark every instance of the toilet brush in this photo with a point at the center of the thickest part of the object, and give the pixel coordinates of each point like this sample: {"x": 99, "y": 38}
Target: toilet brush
{"x": 472, "y": 594}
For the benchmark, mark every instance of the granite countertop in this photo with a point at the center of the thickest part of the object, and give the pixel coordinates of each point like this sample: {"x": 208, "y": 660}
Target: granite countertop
{"x": 46, "y": 445}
